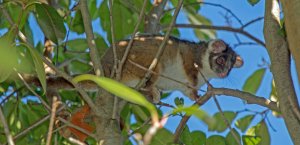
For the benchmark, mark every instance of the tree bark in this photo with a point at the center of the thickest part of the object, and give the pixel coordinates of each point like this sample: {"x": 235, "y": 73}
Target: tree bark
{"x": 291, "y": 10}
{"x": 280, "y": 57}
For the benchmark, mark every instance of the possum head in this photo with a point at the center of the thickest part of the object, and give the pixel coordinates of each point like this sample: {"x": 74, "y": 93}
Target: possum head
{"x": 222, "y": 58}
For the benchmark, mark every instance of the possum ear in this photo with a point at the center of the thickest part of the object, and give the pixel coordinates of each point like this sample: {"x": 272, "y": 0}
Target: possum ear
{"x": 217, "y": 46}
{"x": 238, "y": 62}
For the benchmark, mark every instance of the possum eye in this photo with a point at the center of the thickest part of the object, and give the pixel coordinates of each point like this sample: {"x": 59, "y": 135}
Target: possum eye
{"x": 220, "y": 60}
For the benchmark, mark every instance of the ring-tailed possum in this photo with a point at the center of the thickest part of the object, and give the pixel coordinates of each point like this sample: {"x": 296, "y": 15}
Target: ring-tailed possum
{"x": 181, "y": 60}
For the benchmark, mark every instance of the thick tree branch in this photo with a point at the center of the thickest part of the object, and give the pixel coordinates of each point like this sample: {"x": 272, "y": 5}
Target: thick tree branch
{"x": 280, "y": 57}
{"x": 152, "y": 23}
{"x": 291, "y": 10}
{"x": 90, "y": 38}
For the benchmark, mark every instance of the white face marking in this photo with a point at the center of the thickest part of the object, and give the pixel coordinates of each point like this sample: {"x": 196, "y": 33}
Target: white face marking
{"x": 206, "y": 70}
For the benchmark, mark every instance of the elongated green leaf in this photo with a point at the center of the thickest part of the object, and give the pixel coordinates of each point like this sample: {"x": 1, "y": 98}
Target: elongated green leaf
{"x": 50, "y": 22}
{"x": 253, "y": 82}
{"x": 243, "y": 123}
{"x": 39, "y": 67}
{"x": 121, "y": 91}
{"x": 230, "y": 139}
{"x": 221, "y": 125}
{"x": 215, "y": 140}
{"x": 194, "y": 110}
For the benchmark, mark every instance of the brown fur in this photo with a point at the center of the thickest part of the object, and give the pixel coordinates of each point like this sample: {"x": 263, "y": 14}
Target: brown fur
{"x": 177, "y": 51}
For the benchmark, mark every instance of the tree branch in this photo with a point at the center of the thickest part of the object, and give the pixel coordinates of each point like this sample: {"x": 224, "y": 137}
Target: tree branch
{"x": 6, "y": 128}
{"x": 223, "y": 28}
{"x": 152, "y": 22}
{"x": 226, "y": 121}
{"x": 251, "y": 99}
{"x": 280, "y": 57}
{"x": 55, "y": 104}
{"x": 90, "y": 38}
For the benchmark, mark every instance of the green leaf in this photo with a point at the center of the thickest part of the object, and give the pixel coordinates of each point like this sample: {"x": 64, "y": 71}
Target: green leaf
{"x": 251, "y": 140}
{"x": 39, "y": 67}
{"x": 253, "y": 2}
{"x": 121, "y": 91}
{"x": 124, "y": 19}
{"x": 216, "y": 140}
{"x": 230, "y": 139}
{"x": 260, "y": 130}
{"x": 192, "y": 138}
{"x": 140, "y": 114}
{"x": 253, "y": 82}
{"x": 101, "y": 44}
{"x": 77, "y": 23}
{"x": 221, "y": 125}
{"x": 51, "y": 23}
{"x": 196, "y": 18}
{"x": 197, "y": 112}
{"x": 243, "y": 123}
{"x": 162, "y": 137}
{"x": 92, "y": 6}
{"x": 179, "y": 101}
{"x": 78, "y": 45}
{"x": 8, "y": 56}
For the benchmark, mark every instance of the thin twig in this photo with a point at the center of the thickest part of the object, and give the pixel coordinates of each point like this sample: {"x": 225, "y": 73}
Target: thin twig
{"x": 185, "y": 118}
{"x": 55, "y": 104}
{"x": 113, "y": 39}
{"x": 124, "y": 58}
{"x": 83, "y": 94}
{"x": 161, "y": 75}
{"x": 76, "y": 141}
{"x": 11, "y": 94}
{"x": 116, "y": 63}
{"x": 161, "y": 47}
{"x": 244, "y": 43}
{"x": 251, "y": 22}
{"x": 6, "y": 128}
{"x": 36, "y": 124}
{"x": 152, "y": 130}
{"x": 226, "y": 121}
{"x": 215, "y": 5}
{"x": 224, "y": 28}
{"x": 90, "y": 37}
{"x": 34, "y": 93}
